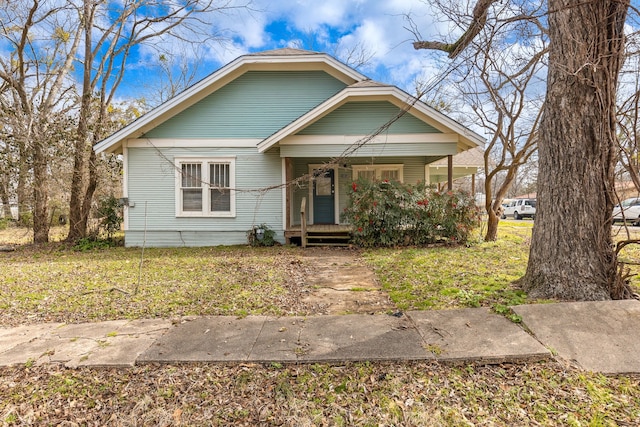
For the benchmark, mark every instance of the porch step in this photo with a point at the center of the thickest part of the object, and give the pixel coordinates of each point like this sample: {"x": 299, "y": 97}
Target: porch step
{"x": 325, "y": 238}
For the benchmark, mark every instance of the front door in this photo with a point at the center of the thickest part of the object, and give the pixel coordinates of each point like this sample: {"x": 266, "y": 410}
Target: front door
{"x": 323, "y": 197}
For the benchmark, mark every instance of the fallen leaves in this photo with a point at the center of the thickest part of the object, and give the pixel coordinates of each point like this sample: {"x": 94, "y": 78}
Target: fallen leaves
{"x": 383, "y": 394}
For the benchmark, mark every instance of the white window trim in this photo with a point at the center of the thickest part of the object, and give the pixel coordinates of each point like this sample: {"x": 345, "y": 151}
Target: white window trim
{"x": 206, "y": 203}
{"x": 378, "y": 170}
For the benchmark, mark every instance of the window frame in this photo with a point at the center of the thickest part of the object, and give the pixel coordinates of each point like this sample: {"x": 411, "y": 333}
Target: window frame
{"x": 378, "y": 169}
{"x": 205, "y": 165}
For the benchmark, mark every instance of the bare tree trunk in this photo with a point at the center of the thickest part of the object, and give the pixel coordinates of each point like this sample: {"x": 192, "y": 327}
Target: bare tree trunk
{"x": 4, "y": 199}
{"x": 5, "y": 180}
{"x": 493, "y": 208}
{"x": 571, "y": 254}
{"x": 92, "y": 184}
{"x": 40, "y": 194}
{"x": 21, "y": 188}
{"x": 77, "y": 216}
{"x": 77, "y": 219}
{"x": 492, "y": 226}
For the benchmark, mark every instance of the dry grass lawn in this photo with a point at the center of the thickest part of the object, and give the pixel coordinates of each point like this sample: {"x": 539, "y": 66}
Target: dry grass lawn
{"x": 58, "y": 283}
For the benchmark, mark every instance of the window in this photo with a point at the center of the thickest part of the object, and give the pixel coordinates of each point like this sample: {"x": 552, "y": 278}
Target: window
{"x": 205, "y": 187}
{"x": 191, "y": 187}
{"x": 379, "y": 172}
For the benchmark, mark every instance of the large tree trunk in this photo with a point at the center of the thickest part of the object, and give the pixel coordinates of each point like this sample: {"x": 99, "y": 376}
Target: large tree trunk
{"x": 78, "y": 214}
{"x": 78, "y": 217}
{"x": 571, "y": 255}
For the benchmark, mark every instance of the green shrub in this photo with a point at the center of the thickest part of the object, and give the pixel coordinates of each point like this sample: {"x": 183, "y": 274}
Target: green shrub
{"x": 5, "y": 223}
{"x": 110, "y": 214}
{"x": 91, "y": 243}
{"x": 261, "y": 235}
{"x": 390, "y": 213}
{"x": 26, "y": 219}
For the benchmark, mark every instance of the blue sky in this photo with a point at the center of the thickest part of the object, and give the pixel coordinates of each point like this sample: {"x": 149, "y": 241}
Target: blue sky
{"x": 337, "y": 27}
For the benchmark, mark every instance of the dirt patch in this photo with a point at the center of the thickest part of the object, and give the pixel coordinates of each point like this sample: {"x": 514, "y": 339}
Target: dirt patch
{"x": 339, "y": 282}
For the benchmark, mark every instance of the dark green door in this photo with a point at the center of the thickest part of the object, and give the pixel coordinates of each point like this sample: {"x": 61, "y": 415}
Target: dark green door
{"x": 323, "y": 197}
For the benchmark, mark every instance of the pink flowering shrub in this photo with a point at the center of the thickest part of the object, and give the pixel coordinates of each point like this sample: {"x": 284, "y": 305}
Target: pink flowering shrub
{"x": 389, "y": 213}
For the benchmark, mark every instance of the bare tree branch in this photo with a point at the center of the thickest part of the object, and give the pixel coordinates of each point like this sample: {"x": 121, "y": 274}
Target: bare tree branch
{"x": 479, "y": 19}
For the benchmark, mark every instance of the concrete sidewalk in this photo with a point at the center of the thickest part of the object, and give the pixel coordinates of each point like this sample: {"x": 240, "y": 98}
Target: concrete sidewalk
{"x": 596, "y": 336}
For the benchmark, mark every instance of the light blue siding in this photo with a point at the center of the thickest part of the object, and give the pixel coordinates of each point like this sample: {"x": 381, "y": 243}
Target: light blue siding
{"x": 363, "y": 118}
{"x": 255, "y": 105}
{"x": 151, "y": 178}
{"x": 175, "y": 238}
{"x": 370, "y": 150}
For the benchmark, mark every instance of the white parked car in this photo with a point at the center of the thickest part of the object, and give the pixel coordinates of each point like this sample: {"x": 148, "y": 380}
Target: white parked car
{"x": 520, "y": 208}
{"x": 631, "y": 210}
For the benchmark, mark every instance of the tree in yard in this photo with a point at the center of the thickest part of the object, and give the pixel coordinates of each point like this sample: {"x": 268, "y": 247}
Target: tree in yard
{"x": 36, "y": 94}
{"x": 629, "y": 116}
{"x": 500, "y": 81}
{"x": 67, "y": 59}
{"x": 110, "y": 35}
{"x": 571, "y": 255}
{"x": 509, "y": 147}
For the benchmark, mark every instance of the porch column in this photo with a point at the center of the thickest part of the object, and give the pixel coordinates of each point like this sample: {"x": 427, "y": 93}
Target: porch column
{"x": 449, "y": 172}
{"x": 288, "y": 167}
{"x": 473, "y": 184}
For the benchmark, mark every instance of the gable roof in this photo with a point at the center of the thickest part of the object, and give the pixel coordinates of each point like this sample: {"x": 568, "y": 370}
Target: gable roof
{"x": 287, "y": 58}
{"x": 359, "y": 88}
{"x": 371, "y": 90}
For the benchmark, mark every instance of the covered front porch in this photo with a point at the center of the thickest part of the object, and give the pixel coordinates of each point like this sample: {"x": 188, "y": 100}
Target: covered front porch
{"x": 317, "y": 191}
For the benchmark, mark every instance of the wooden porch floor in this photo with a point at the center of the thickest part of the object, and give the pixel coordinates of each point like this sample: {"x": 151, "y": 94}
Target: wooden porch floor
{"x": 320, "y": 235}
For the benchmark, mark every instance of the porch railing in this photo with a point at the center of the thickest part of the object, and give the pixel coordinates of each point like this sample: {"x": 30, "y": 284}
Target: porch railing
{"x": 303, "y": 222}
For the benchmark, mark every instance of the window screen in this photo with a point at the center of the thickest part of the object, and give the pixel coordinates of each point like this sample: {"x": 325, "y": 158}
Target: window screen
{"x": 191, "y": 187}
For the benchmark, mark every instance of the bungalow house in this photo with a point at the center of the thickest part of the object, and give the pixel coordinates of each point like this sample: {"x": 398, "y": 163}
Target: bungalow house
{"x": 248, "y": 143}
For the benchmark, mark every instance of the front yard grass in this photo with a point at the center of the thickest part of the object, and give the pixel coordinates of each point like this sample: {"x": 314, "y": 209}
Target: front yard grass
{"x": 455, "y": 277}
{"x": 56, "y": 283}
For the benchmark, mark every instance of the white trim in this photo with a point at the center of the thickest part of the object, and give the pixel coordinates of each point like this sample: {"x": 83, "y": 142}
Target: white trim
{"x": 411, "y": 138}
{"x": 193, "y": 143}
{"x": 378, "y": 168}
{"x": 336, "y": 195}
{"x": 392, "y": 94}
{"x": 125, "y": 184}
{"x": 284, "y": 194}
{"x": 205, "y": 162}
{"x": 220, "y": 78}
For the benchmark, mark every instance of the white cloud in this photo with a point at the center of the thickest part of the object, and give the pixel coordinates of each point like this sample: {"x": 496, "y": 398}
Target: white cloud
{"x": 377, "y": 26}
{"x": 333, "y": 26}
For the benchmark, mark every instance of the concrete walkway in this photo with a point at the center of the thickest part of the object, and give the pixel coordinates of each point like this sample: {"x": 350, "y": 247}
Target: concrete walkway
{"x": 596, "y": 336}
